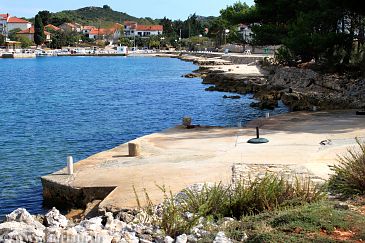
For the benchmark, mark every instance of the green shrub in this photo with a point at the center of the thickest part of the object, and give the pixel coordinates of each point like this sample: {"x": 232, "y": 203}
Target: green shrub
{"x": 171, "y": 219}
{"x": 252, "y": 197}
{"x": 269, "y": 193}
{"x": 349, "y": 175}
{"x": 283, "y": 56}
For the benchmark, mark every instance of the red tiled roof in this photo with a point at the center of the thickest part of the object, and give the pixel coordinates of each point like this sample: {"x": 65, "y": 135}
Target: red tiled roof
{"x": 17, "y": 20}
{"x": 52, "y": 27}
{"x": 104, "y": 31}
{"x": 31, "y": 31}
{"x": 149, "y": 28}
{"x": 101, "y": 31}
{"x": 4, "y": 16}
{"x": 88, "y": 27}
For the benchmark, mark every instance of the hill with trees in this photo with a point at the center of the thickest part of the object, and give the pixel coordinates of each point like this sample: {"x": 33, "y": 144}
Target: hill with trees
{"x": 97, "y": 16}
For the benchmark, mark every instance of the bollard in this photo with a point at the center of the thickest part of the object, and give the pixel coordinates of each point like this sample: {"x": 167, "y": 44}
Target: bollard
{"x": 70, "y": 165}
{"x": 257, "y": 132}
{"x": 134, "y": 149}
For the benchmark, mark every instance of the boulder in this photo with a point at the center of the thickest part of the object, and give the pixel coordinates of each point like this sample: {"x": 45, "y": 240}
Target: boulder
{"x": 20, "y": 226}
{"x": 181, "y": 239}
{"x": 221, "y": 238}
{"x": 54, "y": 219}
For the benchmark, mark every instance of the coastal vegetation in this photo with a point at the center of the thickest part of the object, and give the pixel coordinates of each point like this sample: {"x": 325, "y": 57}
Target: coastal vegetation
{"x": 270, "y": 193}
{"x": 39, "y": 37}
{"x": 349, "y": 175}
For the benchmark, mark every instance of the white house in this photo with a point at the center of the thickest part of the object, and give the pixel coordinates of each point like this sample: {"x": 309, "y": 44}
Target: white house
{"x": 113, "y": 33}
{"x": 17, "y": 23}
{"x": 68, "y": 27}
{"x": 132, "y": 29}
{"x": 87, "y": 29}
{"x": 246, "y": 32}
{"x": 3, "y": 22}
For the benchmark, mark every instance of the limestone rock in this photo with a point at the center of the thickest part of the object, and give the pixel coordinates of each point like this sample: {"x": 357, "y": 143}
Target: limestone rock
{"x": 181, "y": 239}
{"x": 168, "y": 239}
{"x": 129, "y": 237}
{"x": 221, "y": 238}
{"x": 54, "y": 219}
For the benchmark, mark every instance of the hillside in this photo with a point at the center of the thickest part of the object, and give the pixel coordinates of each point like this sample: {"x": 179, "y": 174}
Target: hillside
{"x": 97, "y": 16}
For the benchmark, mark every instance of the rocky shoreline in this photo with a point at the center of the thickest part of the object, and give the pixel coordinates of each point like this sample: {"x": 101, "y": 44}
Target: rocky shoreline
{"x": 301, "y": 89}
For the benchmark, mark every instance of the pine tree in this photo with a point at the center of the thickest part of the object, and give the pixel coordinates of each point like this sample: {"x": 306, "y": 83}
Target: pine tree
{"x": 38, "y": 31}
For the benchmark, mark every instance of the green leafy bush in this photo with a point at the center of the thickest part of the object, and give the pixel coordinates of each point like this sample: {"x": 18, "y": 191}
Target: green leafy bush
{"x": 349, "y": 175}
{"x": 283, "y": 56}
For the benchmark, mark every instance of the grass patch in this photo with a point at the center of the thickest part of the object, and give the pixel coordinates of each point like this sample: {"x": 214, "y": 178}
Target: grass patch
{"x": 349, "y": 176}
{"x": 311, "y": 222}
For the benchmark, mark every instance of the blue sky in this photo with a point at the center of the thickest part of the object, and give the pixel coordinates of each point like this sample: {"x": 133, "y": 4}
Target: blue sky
{"x": 175, "y": 9}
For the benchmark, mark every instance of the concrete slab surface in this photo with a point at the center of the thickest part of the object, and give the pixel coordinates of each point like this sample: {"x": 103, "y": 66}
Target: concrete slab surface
{"x": 179, "y": 157}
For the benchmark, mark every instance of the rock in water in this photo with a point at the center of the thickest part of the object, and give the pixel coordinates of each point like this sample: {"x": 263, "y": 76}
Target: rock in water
{"x": 221, "y": 238}
{"x": 54, "y": 219}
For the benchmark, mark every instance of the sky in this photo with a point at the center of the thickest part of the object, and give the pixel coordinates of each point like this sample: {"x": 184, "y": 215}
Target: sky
{"x": 173, "y": 9}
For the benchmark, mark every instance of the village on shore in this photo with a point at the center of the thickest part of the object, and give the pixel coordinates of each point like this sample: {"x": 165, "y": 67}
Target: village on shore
{"x": 116, "y": 39}
{"x": 294, "y": 177}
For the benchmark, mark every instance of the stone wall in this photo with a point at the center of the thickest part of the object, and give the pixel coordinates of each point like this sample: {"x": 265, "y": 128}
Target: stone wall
{"x": 65, "y": 197}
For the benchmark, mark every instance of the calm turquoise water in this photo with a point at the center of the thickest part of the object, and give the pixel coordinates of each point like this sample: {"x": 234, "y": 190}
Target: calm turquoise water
{"x": 53, "y": 107}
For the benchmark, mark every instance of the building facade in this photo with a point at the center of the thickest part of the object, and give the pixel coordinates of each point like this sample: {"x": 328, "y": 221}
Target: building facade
{"x": 17, "y": 23}
{"x": 132, "y": 29}
{"x": 29, "y": 34}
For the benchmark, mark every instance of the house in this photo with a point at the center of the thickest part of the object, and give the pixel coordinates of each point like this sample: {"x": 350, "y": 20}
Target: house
{"x": 51, "y": 27}
{"x": 245, "y": 31}
{"x": 69, "y": 27}
{"x": 29, "y": 33}
{"x": 87, "y": 29}
{"x": 107, "y": 34}
{"x": 148, "y": 30}
{"x": 132, "y": 29}
{"x": 17, "y": 23}
{"x": 3, "y": 22}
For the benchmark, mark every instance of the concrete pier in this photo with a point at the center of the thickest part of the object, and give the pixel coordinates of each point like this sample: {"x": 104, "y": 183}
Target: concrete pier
{"x": 179, "y": 157}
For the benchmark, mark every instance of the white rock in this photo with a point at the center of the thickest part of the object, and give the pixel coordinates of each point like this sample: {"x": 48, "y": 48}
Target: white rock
{"x": 21, "y": 231}
{"x": 20, "y": 215}
{"x": 192, "y": 239}
{"x": 168, "y": 239}
{"x": 221, "y": 238}
{"x": 93, "y": 224}
{"x": 181, "y": 239}
{"x": 55, "y": 219}
{"x": 53, "y": 234}
{"x": 129, "y": 237}
{"x": 144, "y": 241}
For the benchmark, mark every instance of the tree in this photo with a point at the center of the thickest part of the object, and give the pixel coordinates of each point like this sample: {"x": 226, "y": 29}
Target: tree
{"x": 25, "y": 42}
{"x": 45, "y": 16}
{"x": 107, "y": 7}
{"x": 38, "y": 30}
{"x": 12, "y": 34}
{"x": 2, "y": 40}
{"x": 168, "y": 28}
{"x": 124, "y": 41}
{"x": 238, "y": 13}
